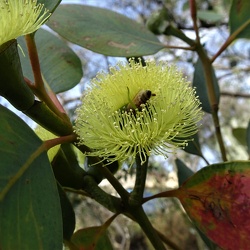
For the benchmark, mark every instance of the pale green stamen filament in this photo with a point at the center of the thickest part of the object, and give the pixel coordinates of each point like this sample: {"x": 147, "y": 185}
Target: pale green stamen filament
{"x": 20, "y": 17}
{"x": 164, "y": 123}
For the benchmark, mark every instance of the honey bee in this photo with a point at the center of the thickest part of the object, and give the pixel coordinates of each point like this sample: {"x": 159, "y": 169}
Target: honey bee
{"x": 140, "y": 98}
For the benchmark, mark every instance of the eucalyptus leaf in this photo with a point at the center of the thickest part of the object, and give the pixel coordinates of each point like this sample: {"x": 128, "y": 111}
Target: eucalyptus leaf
{"x": 66, "y": 168}
{"x": 216, "y": 199}
{"x": 103, "y": 31}
{"x": 209, "y": 16}
{"x": 199, "y": 83}
{"x": 183, "y": 172}
{"x": 30, "y": 212}
{"x": 50, "y": 4}
{"x": 248, "y": 137}
{"x": 68, "y": 214}
{"x": 240, "y": 134}
{"x": 92, "y": 238}
{"x": 60, "y": 66}
{"x": 239, "y": 15}
{"x": 193, "y": 146}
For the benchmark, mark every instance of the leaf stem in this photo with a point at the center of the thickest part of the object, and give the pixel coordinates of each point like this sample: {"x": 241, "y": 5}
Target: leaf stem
{"x": 193, "y": 11}
{"x": 230, "y": 39}
{"x": 172, "y": 31}
{"x": 34, "y": 60}
{"x": 178, "y": 47}
{"x": 38, "y": 87}
{"x": 56, "y": 141}
{"x": 168, "y": 193}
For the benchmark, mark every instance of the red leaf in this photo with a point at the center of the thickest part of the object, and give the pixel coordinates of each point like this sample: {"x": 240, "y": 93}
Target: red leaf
{"x": 217, "y": 199}
{"x": 92, "y": 238}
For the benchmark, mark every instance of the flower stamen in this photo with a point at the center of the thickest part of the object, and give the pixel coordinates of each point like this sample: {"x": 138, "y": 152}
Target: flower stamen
{"x": 20, "y": 17}
{"x": 143, "y": 125}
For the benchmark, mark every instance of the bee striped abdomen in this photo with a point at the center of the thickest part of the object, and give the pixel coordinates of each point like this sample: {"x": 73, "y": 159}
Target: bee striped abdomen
{"x": 141, "y": 98}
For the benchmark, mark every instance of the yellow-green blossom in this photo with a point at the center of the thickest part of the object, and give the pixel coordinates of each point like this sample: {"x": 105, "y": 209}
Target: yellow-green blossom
{"x": 20, "y": 17}
{"x": 165, "y": 122}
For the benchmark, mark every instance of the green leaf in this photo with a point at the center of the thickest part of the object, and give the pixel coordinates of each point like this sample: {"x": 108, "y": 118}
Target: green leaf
{"x": 60, "y": 66}
{"x": 103, "y": 31}
{"x": 68, "y": 214}
{"x": 30, "y": 213}
{"x": 66, "y": 168}
{"x": 50, "y": 4}
{"x": 240, "y": 134}
{"x": 183, "y": 172}
{"x": 248, "y": 137}
{"x": 239, "y": 15}
{"x": 217, "y": 199}
{"x": 199, "y": 83}
{"x": 209, "y": 16}
{"x": 91, "y": 238}
{"x": 194, "y": 147}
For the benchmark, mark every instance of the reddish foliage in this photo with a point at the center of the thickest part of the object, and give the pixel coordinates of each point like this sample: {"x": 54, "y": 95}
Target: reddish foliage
{"x": 220, "y": 207}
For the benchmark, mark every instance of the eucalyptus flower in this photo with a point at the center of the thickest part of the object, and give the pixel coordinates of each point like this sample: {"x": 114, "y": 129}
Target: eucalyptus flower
{"x": 112, "y": 124}
{"x": 20, "y": 17}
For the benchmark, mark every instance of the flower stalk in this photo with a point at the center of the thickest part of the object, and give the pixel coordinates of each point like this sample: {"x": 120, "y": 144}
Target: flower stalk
{"x": 136, "y": 196}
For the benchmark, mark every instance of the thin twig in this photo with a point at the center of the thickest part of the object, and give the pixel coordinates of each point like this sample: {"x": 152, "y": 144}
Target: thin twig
{"x": 239, "y": 95}
{"x": 230, "y": 39}
{"x": 193, "y": 11}
{"x": 179, "y": 47}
